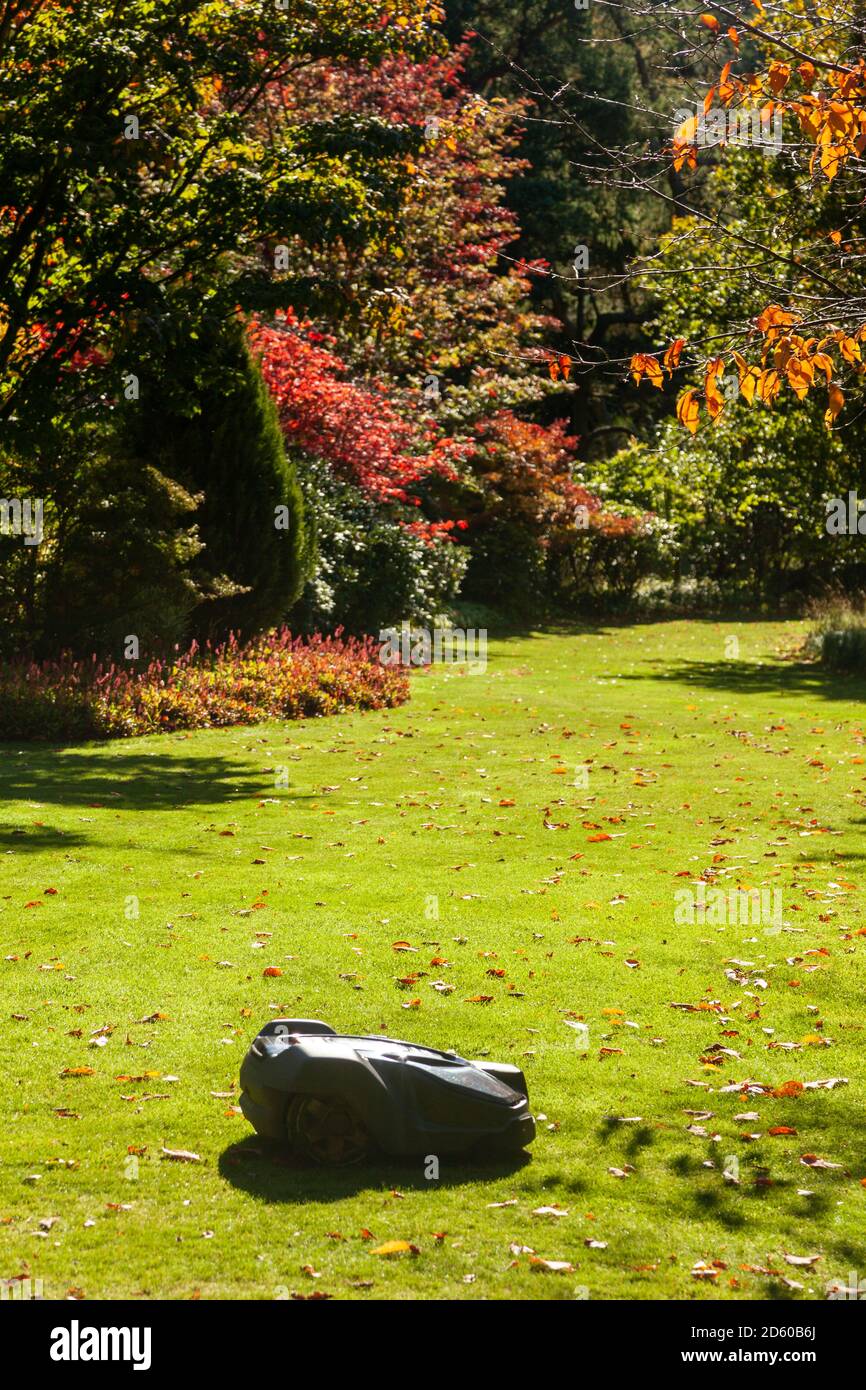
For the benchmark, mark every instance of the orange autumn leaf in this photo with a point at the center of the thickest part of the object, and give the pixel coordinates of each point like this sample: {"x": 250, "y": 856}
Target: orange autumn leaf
{"x": 714, "y": 398}
{"x": 685, "y": 134}
{"x": 272, "y": 970}
{"x": 772, "y": 318}
{"x": 806, "y": 72}
{"x": 824, "y": 364}
{"x": 787, "y": 1090}
{"x": 672, "y": 355}
{"x": 836, "y": 400}
{"x": 688, "y": 411}
{"x": 769, "y": 385}
{"x": 800, "y": 374}
{"x": 596, "y": 839}
{"x": 849, "y": 348}
{"x": 779, "y": 75}
{"x": 643, "y": 364}
{"x": 711, "y": 22}
{"x": 748, "y": 377}
{"x": 687, "y": 156}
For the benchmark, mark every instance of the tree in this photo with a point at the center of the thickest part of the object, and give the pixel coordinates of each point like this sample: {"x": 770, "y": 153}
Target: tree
{"x": 590, "y": 82}
{"x": 131, "y": 189}
{"x": 114, "y": 556}
{"x": 789, "y": 82}
{"x": 216, "y": 431}
{"x": 439, "y": 347}
{"x": 139, "y": 211}
{"x": 531, "y": 519}
{"x": 441, "y": 309}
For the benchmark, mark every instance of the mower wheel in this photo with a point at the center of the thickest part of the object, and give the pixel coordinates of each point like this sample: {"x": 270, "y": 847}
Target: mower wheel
{"x": 326, "y": 1130}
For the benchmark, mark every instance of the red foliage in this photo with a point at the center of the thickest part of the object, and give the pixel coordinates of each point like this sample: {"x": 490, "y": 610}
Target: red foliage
{"x": 275, "y": 676}
{"x": 437, "y": 293}
{"x": 526, "y": 475}
{"x": 357, "y": 429}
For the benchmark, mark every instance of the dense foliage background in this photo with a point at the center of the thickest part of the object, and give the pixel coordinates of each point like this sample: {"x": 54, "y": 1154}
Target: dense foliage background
{"x": 324, "y": 315}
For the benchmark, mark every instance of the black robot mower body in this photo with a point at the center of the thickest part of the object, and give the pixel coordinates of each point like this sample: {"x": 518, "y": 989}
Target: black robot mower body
{"x": 338, "y": 1099}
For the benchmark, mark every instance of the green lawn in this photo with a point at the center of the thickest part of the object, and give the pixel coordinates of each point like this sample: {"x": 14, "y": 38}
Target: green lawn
{"x": 754, "y": 767}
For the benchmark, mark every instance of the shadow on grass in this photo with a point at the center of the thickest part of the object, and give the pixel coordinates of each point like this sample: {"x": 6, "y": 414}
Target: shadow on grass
{"x": 755, "y": 678}
{"x": 635, "y": 1138}
{"x": 772, "y": 1183}
{"x": 34, "y": 838}
{"x": 268, "y": 1172}
{"x": 121, "y": 781}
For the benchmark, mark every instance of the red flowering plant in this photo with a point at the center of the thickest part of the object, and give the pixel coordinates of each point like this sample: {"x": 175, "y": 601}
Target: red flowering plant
{"x": 275, "y": 676}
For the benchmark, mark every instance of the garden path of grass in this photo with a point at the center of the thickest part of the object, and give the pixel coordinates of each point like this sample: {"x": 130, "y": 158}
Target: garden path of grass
{"x": 466, "y": 796}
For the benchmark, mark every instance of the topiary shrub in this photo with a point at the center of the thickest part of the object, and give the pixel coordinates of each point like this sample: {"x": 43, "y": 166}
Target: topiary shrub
{"x": 206, "y": 419}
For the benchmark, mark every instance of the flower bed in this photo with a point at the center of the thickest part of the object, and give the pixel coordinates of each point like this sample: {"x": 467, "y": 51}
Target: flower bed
{"x": 275, "y": 676}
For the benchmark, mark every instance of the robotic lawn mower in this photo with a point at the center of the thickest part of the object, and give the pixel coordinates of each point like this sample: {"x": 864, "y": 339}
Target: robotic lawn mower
{"x": 340, "y": 1099}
